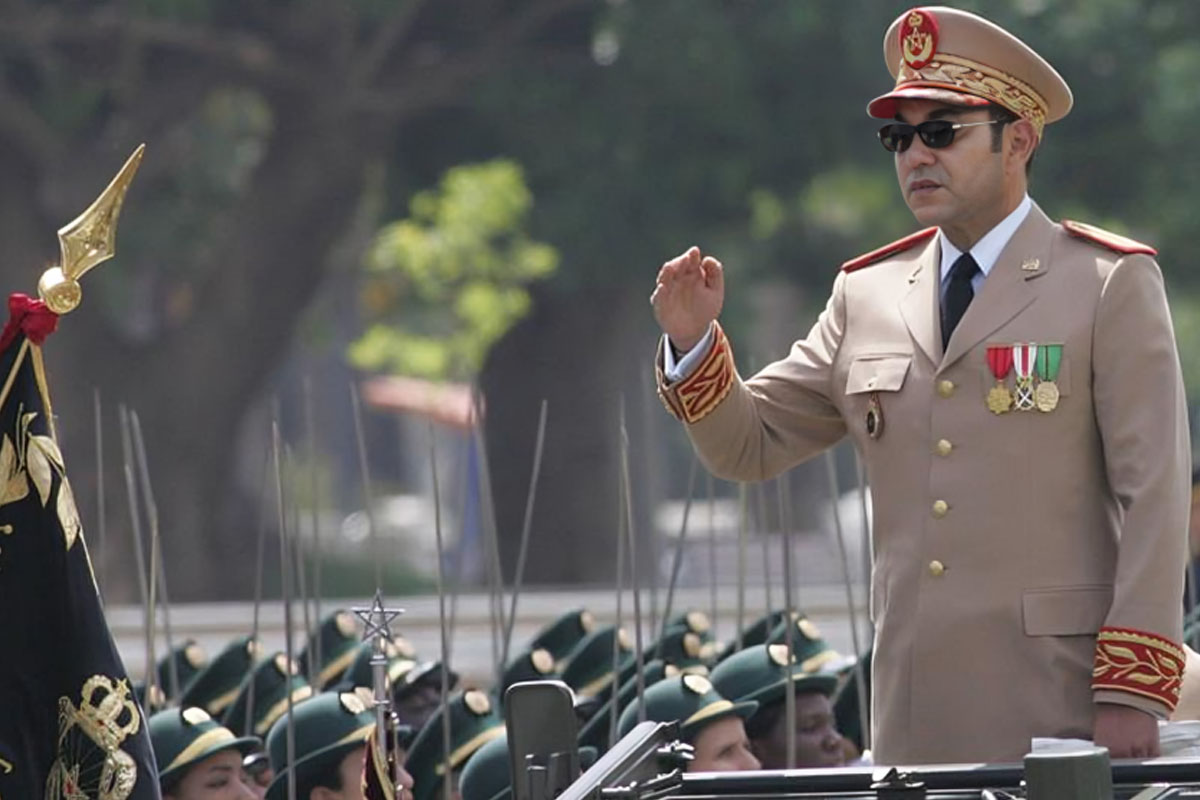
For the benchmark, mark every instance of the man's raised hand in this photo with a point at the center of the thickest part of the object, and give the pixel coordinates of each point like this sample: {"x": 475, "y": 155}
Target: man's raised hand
{"x": 688, "y": 296}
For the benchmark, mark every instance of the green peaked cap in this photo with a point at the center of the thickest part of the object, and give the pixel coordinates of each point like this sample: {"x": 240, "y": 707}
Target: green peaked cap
{"x": 183, "y": 737}
{"x": 326, "y": 727}
{"x": 589, "y": 668}
{"x": 474, "y": 721}
{"x": 216, "y": 686}
{"x": 763, "y": 672}
{"x": 339, "y": 640}
{"x": 690, "y": 700}
{"x": 488, "y": 773}
{"x": 561, "y": 635}
{"x": 271, "y": 680}
{"x": 594, "y": 732}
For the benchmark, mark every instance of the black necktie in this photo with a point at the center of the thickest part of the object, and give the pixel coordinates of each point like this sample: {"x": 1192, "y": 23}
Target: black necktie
{"x": 958, "y": 294}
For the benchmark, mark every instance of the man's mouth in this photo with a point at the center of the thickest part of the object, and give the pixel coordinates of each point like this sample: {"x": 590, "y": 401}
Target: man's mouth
{"x": 922, "y": 186}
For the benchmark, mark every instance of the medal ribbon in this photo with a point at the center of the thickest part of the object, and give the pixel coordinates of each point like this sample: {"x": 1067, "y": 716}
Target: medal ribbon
{"x": 1049, "y": 358}
{"x": 1024, "y": 356}
{"x": 1000, "y": 361}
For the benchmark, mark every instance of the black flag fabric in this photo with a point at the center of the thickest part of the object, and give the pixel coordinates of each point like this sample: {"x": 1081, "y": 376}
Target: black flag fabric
{"x": 70, "y": 727}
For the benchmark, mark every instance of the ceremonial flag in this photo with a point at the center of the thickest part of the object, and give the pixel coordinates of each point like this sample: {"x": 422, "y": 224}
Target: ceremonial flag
{"x": 70, "y": 726}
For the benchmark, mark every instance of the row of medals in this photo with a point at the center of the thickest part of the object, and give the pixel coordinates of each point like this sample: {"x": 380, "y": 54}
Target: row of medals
{"x": 1025, "y": 397}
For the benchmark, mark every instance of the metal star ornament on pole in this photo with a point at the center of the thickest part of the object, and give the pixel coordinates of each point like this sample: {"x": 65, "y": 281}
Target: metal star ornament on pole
{"x": 377, "y": 622}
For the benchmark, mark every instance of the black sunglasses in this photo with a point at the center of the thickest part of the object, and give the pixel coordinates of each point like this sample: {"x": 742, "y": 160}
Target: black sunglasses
{"x": 935, "y": 133}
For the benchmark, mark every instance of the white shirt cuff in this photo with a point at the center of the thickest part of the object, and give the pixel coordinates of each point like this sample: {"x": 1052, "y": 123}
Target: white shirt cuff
{"x": 678, "y": 370}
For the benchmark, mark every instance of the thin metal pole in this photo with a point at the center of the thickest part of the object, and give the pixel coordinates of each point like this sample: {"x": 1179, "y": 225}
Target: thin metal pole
{"x": 447, "y": 785}
{"x": 712, "y": 549}
{"x": 158, "y": 560}
{"x": 286, "y": 579}
{"x": 491, "y": 538}
{"x": 313, "y": 634}
{"x": 365, "y": 472}
{"x": 616, "y": 651}
{"x": 135, "y": 529}
{"x": 677, "y": 561}
{"x": 788, "y": 617}
{"x": 526, "y": 528}
{"x": 101, "y": 514}
{"x": 743, "y": 524}
{"x": 298, "y": 545}
{"x": 627, "y": 492}
{"x": 835, "y": 495}
{"x": 765, "y": 538}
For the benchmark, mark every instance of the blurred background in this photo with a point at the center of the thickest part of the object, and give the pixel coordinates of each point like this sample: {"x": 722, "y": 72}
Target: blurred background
{"x": 437, "y": 201}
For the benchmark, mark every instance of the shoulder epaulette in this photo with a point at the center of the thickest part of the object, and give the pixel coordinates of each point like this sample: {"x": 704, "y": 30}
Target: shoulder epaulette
{"x": 1113, "y": 241}
{"x": 898, "y": 246}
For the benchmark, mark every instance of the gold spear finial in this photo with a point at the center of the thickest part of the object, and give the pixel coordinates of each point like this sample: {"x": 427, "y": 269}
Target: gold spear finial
{"x": 87, "y": 241}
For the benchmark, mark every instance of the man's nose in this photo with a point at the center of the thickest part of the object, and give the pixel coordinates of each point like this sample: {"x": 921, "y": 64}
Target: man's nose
{"x": 918, "y": 154}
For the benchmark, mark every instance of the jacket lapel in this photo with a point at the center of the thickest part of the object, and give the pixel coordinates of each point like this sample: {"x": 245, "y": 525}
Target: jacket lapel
{"x": 919, "y": 305}
{"x": 1009, "y": 288}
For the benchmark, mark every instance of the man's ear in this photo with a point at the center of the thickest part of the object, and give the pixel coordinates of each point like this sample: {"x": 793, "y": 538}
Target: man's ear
{"x": 1022, "y": 140}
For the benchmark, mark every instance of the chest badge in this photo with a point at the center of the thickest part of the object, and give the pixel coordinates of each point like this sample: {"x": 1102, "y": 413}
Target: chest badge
{"x": 1000, "y": 361}
{"x": 874, "y": 416}
{"x": 1049, "y": 359}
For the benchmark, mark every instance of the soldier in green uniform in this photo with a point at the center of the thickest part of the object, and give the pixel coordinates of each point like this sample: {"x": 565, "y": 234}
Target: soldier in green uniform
{"x": 765, "y": 673}
{"x": 709, "y": 722}
{"x": 198, "y": 759}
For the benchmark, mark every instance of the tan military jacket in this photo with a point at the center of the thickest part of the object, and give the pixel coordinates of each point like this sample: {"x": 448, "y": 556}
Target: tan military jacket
{"x": 1028, "y": 563}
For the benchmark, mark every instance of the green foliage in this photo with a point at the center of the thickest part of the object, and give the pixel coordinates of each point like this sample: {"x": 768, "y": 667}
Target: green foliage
{"x": 448, "y": 281}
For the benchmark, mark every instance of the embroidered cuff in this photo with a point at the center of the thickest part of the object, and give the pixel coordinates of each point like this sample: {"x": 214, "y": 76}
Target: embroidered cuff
{"x": 693, "y": 398}
{"x": 1139, "y": 663}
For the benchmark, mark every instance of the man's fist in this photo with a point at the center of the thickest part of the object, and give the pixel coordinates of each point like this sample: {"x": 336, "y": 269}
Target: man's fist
{"x": 688, "y": 296}
{"x": 1127, "y": 732}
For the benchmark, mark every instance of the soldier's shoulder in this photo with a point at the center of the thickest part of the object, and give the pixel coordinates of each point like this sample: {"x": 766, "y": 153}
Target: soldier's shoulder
{"x": 888, "y": 250}
{"x": 1099, "y": 237}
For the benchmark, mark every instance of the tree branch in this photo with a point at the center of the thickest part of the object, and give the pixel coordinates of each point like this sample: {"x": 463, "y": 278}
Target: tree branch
{"x": 447, "y": 79}
{"x": 391, "y": 34}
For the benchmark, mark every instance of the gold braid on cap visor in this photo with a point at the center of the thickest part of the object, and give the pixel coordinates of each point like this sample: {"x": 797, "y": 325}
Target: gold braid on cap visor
{"x": 961, "y": 74}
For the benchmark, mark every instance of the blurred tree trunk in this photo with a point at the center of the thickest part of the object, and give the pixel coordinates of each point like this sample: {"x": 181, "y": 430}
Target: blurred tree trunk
{"x": 584, "y": 358}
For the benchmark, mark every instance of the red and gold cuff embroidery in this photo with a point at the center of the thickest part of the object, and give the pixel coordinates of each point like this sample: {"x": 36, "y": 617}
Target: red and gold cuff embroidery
{"x": 694, "y": 397}
{"x": 1140, "y": 663}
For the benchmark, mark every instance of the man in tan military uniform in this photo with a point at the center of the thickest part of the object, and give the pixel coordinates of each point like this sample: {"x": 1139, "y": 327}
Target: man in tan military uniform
{"x": 1014, "y": 388}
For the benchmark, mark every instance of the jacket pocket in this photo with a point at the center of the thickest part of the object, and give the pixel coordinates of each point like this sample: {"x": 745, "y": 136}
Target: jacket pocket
{"x": 1067, "y": 611}
{"x": 877, "y": 373}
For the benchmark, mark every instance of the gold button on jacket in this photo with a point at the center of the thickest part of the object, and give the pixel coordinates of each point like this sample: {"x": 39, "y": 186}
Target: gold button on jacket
{"x": 936, "y": 568}
{"x": 1037, "y": 526}
{"x": 944, "y": 447}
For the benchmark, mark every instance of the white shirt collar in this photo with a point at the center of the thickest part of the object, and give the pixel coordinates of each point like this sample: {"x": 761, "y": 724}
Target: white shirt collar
{"x": 986, "y": 250}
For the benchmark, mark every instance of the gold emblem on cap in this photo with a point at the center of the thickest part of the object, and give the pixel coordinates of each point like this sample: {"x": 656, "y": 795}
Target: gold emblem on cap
{"x": 670, "y": 670}
{"x": 697, "y": 684}
{"x": 586, "y": 621}
{"x": 195, "y": 716}
{"x": 285, "y": 668}
{"x": 779, "y": 654}
{"x": 918, "y": 45}
{"x": 365, "y": 694}
{"x": 623, "y": 639}
{"x": 477, "y": 702}
{"x": 808, "y": 629}
{"x": 345, "y": 624}
{"x": 195, "y": 655}
{"x": 542, "y": 661}
{"x": 352, "y": 702}
{"x": 698, "y": 621}
{"x": 404, "y": 648}
{"x": 254, "y": 649}
{"x": 691, "y": 645}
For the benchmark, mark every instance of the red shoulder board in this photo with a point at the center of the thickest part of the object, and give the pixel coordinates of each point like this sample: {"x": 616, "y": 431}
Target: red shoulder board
{"x": 898, "y": 246}
{"x": 1113, "y": 241}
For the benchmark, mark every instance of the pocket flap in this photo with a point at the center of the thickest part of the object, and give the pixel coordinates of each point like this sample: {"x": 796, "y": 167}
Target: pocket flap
{"x": 877, "y": 374}
{"x": 1071, "y": 611}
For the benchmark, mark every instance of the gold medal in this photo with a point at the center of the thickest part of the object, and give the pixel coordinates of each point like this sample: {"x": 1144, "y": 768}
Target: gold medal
{"x": 999, "y": 399}
{"x": 874, "y": 416}
{"x": 1046, "y": 396}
